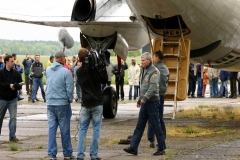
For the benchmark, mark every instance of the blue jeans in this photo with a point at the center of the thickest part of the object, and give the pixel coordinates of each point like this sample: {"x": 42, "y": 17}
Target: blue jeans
{"x": 79, "y": 91}
{"x": 200, "y": 85}
{"x": 59, "y": 116}
{"x": 210, "y": 88}
{"x": 12, "y": 109}
{"x": 191, "y": 87}
{"x": 150, "y": 128}
{"x": 37, "y": 82}
{"x": 215, "y": 87}
{"x": 224, "y": 85}
{"x": 86, "y": 114}
{"x": 148, "y": 112}
{"x": 135, "y": 92}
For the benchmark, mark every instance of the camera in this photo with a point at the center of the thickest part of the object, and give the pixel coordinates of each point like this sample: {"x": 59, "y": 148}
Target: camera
{"x": 97, "y": 59}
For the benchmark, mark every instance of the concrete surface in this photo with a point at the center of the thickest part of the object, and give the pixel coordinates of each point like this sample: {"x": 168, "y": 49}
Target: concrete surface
{"x": 32, "y": 131}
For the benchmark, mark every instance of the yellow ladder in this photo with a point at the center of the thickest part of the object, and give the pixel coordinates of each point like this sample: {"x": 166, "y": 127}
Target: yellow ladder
{"x": 176, "y": 53}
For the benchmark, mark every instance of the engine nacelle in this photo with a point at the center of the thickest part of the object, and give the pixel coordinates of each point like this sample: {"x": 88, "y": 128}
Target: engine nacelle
{"x": 84, "y": 10}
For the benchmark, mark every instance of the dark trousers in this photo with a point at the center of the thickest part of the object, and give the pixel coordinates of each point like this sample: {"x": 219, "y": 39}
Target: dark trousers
{"x": 150, "y": 128}
{"x": 191, "y": 87}
{"x": 27, "y": 83}
{"x": 200, "y": 85}
{"x": 119, "y": 82}
{"x": 233, "y": 87}
{"x": 238, "y": 87}
{"x": 148, "y": 112}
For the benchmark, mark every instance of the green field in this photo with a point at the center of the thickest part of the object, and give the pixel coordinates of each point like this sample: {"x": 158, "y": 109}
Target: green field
{"x": 113, "y": 59}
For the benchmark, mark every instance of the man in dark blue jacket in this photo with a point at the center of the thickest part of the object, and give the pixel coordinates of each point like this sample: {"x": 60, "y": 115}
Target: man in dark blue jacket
{"x": 224, "y": 83}
{"x": 10, "y": 83}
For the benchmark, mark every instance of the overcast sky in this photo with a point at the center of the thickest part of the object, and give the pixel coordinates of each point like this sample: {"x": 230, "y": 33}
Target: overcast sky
{"x": 36, "y": 10}
{"x": 44, "y": 10}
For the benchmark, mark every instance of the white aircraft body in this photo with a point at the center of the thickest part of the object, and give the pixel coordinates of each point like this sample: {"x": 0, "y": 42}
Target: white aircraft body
{"x": 211, "y": 25}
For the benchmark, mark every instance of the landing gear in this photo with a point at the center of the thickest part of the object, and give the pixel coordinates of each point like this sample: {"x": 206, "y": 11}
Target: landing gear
{"x": 110, "y": 102}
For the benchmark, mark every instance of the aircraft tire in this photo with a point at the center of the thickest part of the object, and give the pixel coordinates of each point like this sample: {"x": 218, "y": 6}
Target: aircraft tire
{"x": 110, "y": 102}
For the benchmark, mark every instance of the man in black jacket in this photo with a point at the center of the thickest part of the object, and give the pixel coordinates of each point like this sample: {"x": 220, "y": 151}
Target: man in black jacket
{"x": 90, "y": 81}
{"x": 233, "y": 85}
{"x": 9, "y": 85}
{"x": 191, "y": 81}
{"x": 36, "y": 72}
{"x": 119, "y": 75}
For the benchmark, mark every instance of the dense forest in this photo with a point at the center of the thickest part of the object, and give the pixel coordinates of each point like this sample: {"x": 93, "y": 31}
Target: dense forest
{"x": 21, "y": 47}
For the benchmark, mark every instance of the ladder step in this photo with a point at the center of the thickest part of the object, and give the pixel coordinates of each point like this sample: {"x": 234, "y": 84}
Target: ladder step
{"x": 169, "y": 93}
{"x": 172, "y": 67}
{"x": 170, "y": 55}
{"x": 168, "y": 99}
{"x": 172, "y": 80}
{"x": 168, "y": 42}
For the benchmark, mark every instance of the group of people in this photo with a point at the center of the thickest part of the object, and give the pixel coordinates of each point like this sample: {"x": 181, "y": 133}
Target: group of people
{"x": 59, "y": 96}
{"x": 206, "y": 75}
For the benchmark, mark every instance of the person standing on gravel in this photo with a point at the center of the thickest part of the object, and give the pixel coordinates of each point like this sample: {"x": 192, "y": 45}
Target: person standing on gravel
{"x": 90, "y": 81}
{"x": 148, "y": 103}
{"x": 59, "y": 95}
{"x": 163, "y": 83}
{"x": 9, "y": 86}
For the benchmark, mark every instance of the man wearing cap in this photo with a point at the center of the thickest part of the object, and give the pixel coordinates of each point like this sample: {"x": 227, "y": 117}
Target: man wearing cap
{"x": 59, "y": 95}
{"x": 49, "y": 63}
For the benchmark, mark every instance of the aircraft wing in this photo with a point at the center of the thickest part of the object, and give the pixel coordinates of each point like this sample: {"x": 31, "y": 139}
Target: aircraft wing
{"x": 133, "y": 32}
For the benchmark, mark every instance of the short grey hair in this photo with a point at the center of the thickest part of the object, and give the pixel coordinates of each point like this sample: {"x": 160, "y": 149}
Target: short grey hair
{"x": 147, "y": 56}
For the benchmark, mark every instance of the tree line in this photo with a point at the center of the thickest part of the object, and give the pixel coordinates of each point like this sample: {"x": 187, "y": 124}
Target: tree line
{"x": 21, "y": 47}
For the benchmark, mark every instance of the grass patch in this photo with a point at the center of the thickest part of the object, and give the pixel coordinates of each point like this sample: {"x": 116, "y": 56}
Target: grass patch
{"x": 190, "y": 129}
{"x": 14, "y": 147}
{"x": 76, "y": 118}
{"x": 169, "y": 154}
{"x": 204, "y": 106}
{"x": 113, "y": 141}
{"x": 225, "y": 113}
{"x": 193, "y": 131}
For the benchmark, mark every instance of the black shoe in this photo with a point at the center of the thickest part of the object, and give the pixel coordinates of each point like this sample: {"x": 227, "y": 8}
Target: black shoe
{"x": 37, "y": 99}
{"x": 80, "y": 158}
{"x": 152, "y": 145}
{"x": 19, "y": 99}
{"x": 129, "y": 137}
{"x": 158, "y": 153}
{"x": 230, "y": 96}
{"x": 96, "y": 158}
{"x": 33, "y": 101}
{"x": 14, "y": 140}
{"x": 234, "y": 97}
{"x": 130, "y": 150}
